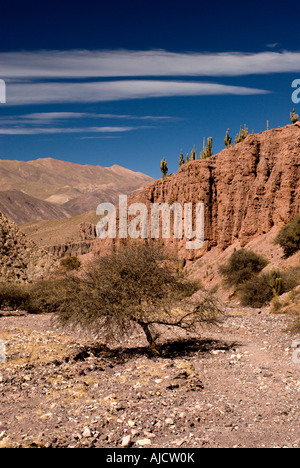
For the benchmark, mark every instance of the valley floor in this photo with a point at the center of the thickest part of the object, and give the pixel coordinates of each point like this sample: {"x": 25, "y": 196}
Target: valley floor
{"x": 237, "y": 386}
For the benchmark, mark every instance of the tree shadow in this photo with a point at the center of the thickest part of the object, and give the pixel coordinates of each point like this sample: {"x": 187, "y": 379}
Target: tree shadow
{"x": 171, "y": 349}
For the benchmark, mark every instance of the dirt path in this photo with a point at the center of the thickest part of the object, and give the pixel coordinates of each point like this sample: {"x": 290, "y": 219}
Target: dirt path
{"x": 236, "y": 387}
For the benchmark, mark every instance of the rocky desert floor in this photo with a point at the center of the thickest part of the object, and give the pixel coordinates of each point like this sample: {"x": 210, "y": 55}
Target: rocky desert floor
{"x": 236, "y": 385}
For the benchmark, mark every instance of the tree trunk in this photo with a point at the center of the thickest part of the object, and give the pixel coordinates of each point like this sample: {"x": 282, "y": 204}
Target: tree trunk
{"x": 151, "y": 341}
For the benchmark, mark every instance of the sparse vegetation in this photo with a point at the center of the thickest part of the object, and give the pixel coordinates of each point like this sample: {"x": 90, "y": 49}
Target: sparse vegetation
{"x": 227, "y": 140}
{"x": 289, "y": 237}
{"x": 14, "y": 295}
{"x": 181, "y": 159}
{"x": 164, "y": 167}
{"x": 264, "y": 288}
{"x": 70, "y": 263}
{"x": 241, "y": 266}
{"x": 243, "y": 133}
{"x": 207, "y": 149}
{"x": 294, "y": 117}
{"x": 193, "y": 154}
{"x": 275, "y": 281}
{"x": 256, "y": 292}
{"x": 134, "y": 286}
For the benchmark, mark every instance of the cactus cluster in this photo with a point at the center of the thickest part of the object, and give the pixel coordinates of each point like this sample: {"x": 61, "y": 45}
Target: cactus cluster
{"x": 241, "y": 135}
{"x": 275, "y": 281}
{"x": 207, "y": 149}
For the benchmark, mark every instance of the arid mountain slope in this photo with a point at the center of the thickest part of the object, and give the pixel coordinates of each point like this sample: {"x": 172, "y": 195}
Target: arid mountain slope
{"x": 59, "y": 182}
{"x": 246, "y": 189}
{"x": 58, "y": 231}
{"x": 22, "y": 208}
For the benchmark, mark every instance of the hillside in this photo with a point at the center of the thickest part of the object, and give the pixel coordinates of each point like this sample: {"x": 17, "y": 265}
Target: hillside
{"x": 22, "y": 208}
{"x": 50, "y": 232}
{"x": 60, "y": 182}
{"x": 249, "y": 191}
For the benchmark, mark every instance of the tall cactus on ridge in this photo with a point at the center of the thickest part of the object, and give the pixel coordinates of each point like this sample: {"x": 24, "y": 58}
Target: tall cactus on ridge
{"x": 227, "y": 140}
{"x": 181, "y": 159}
{"x": 164, "y": 167}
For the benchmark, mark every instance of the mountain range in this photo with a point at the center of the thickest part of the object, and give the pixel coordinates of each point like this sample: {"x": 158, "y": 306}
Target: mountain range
{"x": 52, "y": 189}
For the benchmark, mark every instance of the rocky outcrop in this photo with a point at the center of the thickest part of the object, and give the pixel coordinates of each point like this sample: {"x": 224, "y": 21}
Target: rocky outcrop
{"x": 70, "y": 249}
{"x": 20, "y": 258}
{"x": 246, "y": 190}
{"x": 87, "y": 231}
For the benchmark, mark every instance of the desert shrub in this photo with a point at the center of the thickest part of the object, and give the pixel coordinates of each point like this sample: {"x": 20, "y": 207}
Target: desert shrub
{"x": 70, "y": 263}
{"x": 45, "y": 295}
{"x": 290, "y": 278}
{"x": 256, "y": 292}
{"x": 134, "y": 286}
{"x": 14, "y": 295}
{"x": 241, "y": 266}
{"x": 289, "y": 237}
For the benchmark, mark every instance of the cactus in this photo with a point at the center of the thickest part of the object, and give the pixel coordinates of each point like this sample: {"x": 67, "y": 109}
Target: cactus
{"x": 227, "y": 140}
{"x": 242, "y": 134}
{"x": 275, "y": 281}
{"x": 294, "y": 117}
{"x": 193, "y": 154}
{"x": 181, "y": 159}
{"x": 207, "y": 150}
{"x": 164, "y": 167}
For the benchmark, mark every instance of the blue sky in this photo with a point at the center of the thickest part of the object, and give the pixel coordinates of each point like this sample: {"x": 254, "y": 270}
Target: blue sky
{"x": 129, "y": 82}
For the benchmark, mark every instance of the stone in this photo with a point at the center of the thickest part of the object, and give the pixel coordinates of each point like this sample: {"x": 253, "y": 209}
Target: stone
{"x": 143, "y": 442}
{"x": 169, "y": 421}
{"x": 126, "y": 441}
{"x": 86, "y": 432}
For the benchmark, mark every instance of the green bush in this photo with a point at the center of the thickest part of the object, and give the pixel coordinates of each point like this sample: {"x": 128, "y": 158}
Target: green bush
{"x": 289, "y": 237}
{"x": 241, "y": 266}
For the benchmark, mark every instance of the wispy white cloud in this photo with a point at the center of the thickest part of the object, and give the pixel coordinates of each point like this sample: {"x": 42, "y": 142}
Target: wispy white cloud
{"x": 44, "y": 118}
{"x": 126, "y": 63}
{"x": 56, "y": 92}
{"x": 97, "y": 137}
{"x": 53, "y": 130}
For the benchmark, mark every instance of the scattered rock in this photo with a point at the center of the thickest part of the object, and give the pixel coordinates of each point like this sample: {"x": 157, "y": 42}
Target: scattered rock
{"x": 126, "y": 441}
{"x": 143, "y": 442}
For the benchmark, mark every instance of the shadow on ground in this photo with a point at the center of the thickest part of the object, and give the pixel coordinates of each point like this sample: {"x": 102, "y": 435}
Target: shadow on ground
{"x": 168, "y": 350}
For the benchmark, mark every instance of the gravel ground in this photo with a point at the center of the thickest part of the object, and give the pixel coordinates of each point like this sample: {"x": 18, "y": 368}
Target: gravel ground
{"x": 235, "y": 386}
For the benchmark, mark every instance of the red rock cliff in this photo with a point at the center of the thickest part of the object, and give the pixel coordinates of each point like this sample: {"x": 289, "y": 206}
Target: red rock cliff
{"x": 246, "y": 189}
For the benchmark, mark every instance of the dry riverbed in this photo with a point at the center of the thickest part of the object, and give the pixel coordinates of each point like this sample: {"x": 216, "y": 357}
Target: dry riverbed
{"x": 235, "y": 386}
